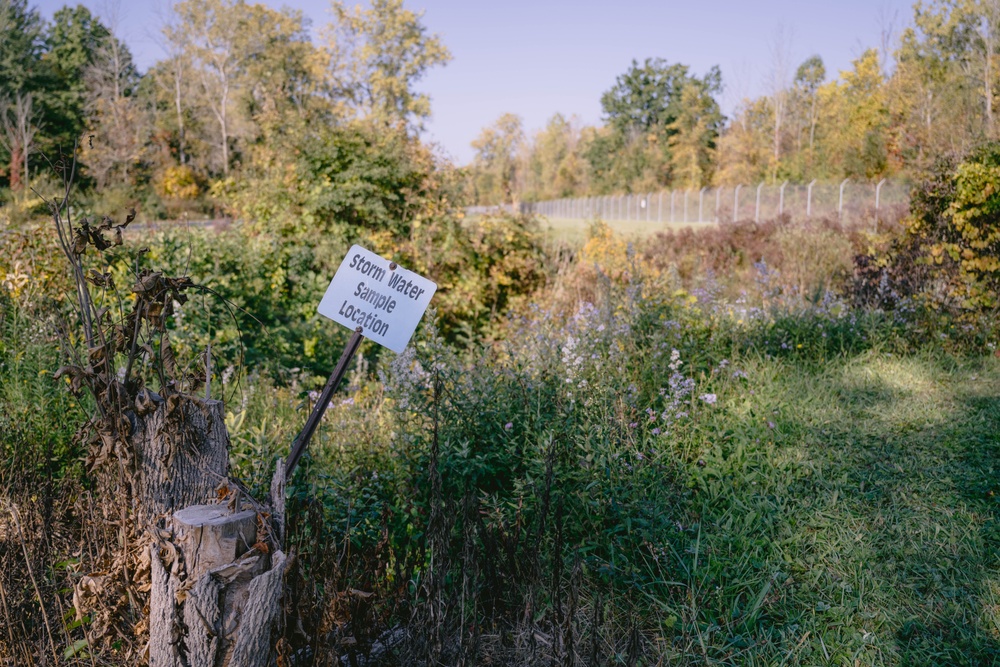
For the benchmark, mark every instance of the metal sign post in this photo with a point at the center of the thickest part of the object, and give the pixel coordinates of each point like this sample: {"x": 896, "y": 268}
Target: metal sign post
{"x": 316, "y": 415}
{"x": 380, "y": 301}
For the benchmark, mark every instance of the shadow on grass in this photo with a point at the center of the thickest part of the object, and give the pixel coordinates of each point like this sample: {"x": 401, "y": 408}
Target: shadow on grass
{"x": 886, "y": 548}
{"x": 921, "y": 485}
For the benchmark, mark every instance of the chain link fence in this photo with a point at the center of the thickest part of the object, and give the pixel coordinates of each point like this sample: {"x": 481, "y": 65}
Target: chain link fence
{"x": 855, "y": 204}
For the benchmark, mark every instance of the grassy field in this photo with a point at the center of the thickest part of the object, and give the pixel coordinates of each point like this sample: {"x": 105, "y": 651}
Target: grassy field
{"x": 850, "y": 517}
{"x": 574, "y": 231}
{"x": 672, "y": 471}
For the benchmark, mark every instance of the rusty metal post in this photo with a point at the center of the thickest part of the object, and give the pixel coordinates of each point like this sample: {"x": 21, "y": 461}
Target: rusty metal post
{"x": 301, "y": 442}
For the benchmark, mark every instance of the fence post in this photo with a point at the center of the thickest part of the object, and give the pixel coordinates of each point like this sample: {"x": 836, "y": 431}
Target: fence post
{"x": 701, "y": 201}
{"x": 659, "y": 207}
{"x": 878, "y": 189}
{"x": 736, "y": 202}
{"x": 718, "y": 194}
{"x": 756, "y": 210}
{"x": 672, "y": 218}
{"x": 781, "y": 199}
{"x": 809, "y": 198}
{"x": 686, "y": 204}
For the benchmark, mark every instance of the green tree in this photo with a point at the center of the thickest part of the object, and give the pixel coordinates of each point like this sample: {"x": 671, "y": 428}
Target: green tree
{"x": 648, "y": 96}
{"x": 21, "y": 48}
{"x": 497, "y": 166}
{"x": 73, "y": 43}
{"x": 243, "y": 59}
{"x": 966, "y": 33}
{"x": 555, "y": 167}
{"x": 379, "y": 54}
{"x": 855, "y": 121}
{"x": 808, "y": 78}
{"x": 692, "y": 138}
{"x": 640, "y": 111}
{"x": 743, "y": 155}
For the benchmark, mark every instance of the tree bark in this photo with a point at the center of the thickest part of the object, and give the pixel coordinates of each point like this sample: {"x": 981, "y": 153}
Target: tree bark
{"x": 217, "y": 571}
{"x": 182, "y": 456}
{"x": 206, "y": 613}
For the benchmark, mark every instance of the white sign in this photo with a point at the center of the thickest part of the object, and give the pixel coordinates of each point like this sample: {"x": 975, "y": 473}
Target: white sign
{"x": 384, "y": 299}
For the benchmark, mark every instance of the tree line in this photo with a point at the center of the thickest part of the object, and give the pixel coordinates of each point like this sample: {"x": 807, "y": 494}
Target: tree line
{"x": 241, "y": 94}
{"x": 928, "y": 92}
{"x": 249, "y": 115}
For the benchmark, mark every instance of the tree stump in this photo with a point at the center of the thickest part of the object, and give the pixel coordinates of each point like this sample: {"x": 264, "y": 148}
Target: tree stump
{"x": 214, "y": 599}
{"x": 216, "y": 572}
{"x": 182, "y": 455}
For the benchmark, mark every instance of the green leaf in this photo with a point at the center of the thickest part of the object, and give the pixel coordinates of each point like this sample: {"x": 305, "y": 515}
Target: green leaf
{"x": 74, "y": 649}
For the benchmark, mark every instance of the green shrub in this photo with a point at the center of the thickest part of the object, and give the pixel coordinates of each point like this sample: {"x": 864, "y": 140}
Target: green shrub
{"x": 948, "y": 253}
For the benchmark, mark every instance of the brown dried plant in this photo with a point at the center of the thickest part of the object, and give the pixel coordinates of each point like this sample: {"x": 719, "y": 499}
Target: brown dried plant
{"x": 127, "y": 353}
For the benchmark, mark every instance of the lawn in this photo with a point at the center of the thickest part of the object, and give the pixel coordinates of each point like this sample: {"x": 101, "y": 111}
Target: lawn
{"x": 847, "y": 515}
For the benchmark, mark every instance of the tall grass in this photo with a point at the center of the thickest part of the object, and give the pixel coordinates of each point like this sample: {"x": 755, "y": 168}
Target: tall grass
{"x": 691, "y": 451}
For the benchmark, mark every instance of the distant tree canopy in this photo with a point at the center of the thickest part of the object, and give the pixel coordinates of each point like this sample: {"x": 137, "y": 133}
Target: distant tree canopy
{"x": 893, "y": 113}
{"x": 244, "y": 93}
{"x": 245, "y": 113}
{"x": 648, "y": 97}
{"x": 661, "y": 127}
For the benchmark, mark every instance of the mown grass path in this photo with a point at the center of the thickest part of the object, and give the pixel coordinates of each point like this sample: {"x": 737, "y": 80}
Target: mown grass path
{"x": 849, "y": 514}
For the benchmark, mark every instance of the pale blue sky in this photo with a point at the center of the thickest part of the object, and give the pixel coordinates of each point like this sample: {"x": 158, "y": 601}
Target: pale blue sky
{"x": 536, "y": 58}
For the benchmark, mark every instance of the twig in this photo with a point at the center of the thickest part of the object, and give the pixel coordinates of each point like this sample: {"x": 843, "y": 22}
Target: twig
{"x": 34, "y": 583}
{"x": 6, "y": 613}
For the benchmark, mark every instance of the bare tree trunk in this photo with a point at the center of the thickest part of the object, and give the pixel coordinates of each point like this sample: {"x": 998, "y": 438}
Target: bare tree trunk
{"x": 220, "y": 108}
{"x": 180, "y": 111}
{"x": 17, "y": 169}
{"x": 18, "y": 134}
{"x": 779, "y": 112}
{"x": 812, "y": 122}
{"x": 780, "y": 47}
{"x": 988, "y": 83}
{"x": 223, "y": 118}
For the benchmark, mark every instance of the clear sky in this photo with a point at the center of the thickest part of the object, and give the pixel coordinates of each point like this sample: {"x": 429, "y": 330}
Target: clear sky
{"x": 539, "y": 57}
